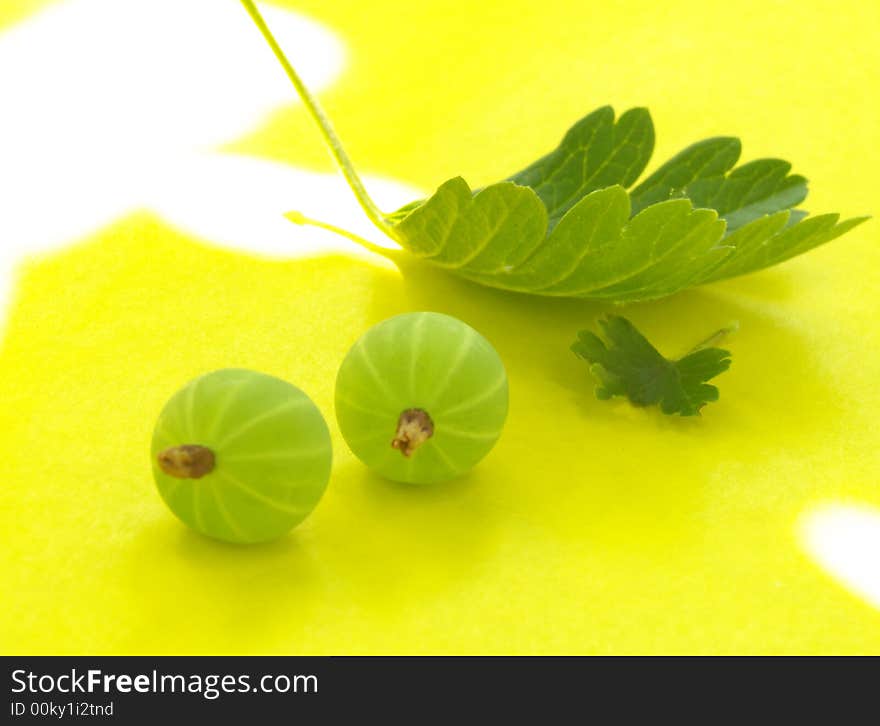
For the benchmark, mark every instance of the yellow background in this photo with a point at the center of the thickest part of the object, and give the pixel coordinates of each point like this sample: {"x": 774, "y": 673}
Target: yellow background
{"x": 593, "y": 526}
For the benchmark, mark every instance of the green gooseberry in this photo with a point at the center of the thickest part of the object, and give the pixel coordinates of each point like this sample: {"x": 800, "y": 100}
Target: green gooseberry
{"x": 241, "y": 456}
{"x": 421, "y": 397}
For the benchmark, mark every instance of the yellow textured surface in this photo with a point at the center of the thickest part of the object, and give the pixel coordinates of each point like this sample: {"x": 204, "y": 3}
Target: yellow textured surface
{"x": 593, "y": 526}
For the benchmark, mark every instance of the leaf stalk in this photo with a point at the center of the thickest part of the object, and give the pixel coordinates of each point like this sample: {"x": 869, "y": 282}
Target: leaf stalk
{"x": 716, "y": 338}
{"x": 323, "y": 123}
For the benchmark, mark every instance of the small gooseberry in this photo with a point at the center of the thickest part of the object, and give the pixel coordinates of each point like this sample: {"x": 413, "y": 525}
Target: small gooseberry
{"x": 421, "y": 397}
{"x": 241, "y": 456}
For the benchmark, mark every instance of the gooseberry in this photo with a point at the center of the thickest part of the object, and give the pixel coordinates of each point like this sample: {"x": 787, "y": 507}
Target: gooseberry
{"x": 241, "y": 456}
{"x": 421, "y": 397}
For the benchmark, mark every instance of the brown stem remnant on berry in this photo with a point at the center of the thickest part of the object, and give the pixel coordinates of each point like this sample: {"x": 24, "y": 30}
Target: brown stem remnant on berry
{"x": 189, "y": 461}
{"x": 414, "y": 428}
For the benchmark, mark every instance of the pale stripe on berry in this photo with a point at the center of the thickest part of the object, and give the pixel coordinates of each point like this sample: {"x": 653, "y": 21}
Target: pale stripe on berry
{"x": 224, "y": 513}
{"x": 374, "y": 373}
{"x": 376, "y": 433}
{"x": 470, "y": 403}
{"x": 189, "y": 409}
{"x": 475, "y": 435}
{"x": 197, "y": 510}
{"x": 238, "y": 484}
{"x": 444, "y": 457}
{"x": 173, "y": 486}
{"x": 276, "y": 455}
{"x": 223, "y": 408}
{"x": 169, "y": 438}
{"x": 464, "y": 347}
{"x": 265, "y": 416}
{"x": 415, "y": 342}
{"x": 348, "y": 403}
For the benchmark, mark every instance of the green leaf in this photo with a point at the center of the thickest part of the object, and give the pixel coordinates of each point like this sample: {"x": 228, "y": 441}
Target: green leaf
{"x": 566, "y": 226}
{"x": 750, "y": 191}
{"x": 746, "y": 193}
{"x": 562, "y": 225}
{"x": 595, "y": 153}
{"x": 475, "y": 234}
{"x": 767, "y": 241}
{"x": 704, "y": 160}
{"x": 626, "y": 364}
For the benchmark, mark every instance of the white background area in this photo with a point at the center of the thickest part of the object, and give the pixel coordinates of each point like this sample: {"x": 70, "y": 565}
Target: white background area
{"x": 114, "y": 105}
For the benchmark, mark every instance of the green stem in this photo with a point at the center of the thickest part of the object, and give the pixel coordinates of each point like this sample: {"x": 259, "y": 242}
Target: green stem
{"x": 300, "y": 218}
{"x": 320, "y": 118}
{"x": 716, "y": 337}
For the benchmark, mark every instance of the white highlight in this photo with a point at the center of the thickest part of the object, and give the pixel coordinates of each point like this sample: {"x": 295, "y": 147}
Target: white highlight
{"x": 137, "y": 77}
{"x": 113, "y": 105}
{"x": 845, "y": 541}
{"x": 240, "y": 202}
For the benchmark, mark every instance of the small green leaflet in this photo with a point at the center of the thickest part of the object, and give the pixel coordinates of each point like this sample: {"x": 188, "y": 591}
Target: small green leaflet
{"x": 626, "y": 364}
{"x": 567, "y": 226}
